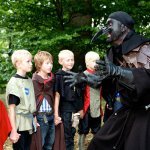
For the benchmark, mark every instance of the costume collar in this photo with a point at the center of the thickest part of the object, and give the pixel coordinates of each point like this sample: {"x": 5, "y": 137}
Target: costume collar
{"x": 90, "y": 71}
{"x": 40, "y": 79}
{"x": 132, "y": 41}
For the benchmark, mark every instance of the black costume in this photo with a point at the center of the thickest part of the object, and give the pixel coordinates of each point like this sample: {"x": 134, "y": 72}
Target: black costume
{"x": 129, "y": 127}
{"x": 71, "y": 101}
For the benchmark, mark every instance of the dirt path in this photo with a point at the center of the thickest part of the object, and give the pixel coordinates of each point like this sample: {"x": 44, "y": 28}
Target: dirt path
{"x": 8, "y": 145}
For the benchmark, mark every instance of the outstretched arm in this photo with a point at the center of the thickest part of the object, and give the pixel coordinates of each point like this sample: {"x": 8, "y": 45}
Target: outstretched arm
{"x": 92, "y": 80}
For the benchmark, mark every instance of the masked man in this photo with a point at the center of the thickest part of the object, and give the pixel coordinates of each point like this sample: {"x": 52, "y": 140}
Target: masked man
{"x": 128, "y": 50}
{"x": 126, "y": 70}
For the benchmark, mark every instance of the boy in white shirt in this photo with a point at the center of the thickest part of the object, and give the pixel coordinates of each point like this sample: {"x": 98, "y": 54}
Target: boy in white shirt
{"x": 20, "y": 99}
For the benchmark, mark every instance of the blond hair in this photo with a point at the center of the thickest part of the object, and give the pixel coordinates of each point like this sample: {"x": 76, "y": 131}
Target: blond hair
{"x": 19, "y": 55}
{"x": 64, "y": 53}
{"x": 40, "y": 57}
{"x": 90, "y": 56}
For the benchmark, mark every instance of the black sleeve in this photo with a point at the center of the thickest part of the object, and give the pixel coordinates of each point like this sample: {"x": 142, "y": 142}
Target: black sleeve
{"x": 13, "y": 99}
{"x": 57, "y": 85}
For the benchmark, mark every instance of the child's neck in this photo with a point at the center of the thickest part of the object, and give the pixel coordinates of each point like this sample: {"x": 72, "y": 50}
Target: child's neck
{"x": 64, "y": 69}
{"x": 43, "y": 75}
{"x": 21, "y": 73}
{"x": 91, "y": 69}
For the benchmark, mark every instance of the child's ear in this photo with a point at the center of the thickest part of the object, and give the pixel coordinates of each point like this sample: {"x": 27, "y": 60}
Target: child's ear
{"x": 60, "y": 61}
{"x": 18, "y": 63}
{"x": 87, "y": 63}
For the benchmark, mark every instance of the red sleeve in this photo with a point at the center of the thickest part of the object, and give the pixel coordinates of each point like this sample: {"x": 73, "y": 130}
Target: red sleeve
{"x": 86, "y": 99}
{"x": 5, "y": 126}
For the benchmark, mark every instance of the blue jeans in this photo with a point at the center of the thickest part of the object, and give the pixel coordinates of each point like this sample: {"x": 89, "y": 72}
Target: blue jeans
{"x": 47, "y": 131}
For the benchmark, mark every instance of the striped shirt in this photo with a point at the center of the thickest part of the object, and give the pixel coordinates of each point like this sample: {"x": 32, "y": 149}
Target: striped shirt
{"x": 45, "y": 107}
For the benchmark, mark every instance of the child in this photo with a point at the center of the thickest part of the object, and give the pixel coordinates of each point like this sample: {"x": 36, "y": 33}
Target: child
{"x": 91, "y": 114}
{"x": 20, "y": 99}
{"x": 67, "y": 99}
{"x": 43, "y": 81}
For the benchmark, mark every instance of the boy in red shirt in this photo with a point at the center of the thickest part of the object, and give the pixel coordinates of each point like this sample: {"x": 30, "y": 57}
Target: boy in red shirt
{"x": 91, "y": 112}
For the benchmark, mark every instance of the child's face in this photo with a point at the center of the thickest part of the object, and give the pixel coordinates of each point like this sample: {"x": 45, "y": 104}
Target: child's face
{"x": 25, "y": 65}
{"x": 91, "y": 64}
{"x": 46, "y": 66}
{"x": 67, "y": 62}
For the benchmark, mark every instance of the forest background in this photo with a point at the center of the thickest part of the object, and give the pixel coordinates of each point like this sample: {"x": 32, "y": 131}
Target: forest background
{"x": 53, "y": 25}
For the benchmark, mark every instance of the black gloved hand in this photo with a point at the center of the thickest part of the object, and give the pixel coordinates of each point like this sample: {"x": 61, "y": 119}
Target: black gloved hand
{"x": 101, "y": 69}
{"x": 93, "y": 80}
{"x": 78, "y": 78}
{"x": 75, "y": 78}
{"x": 107, "y": 68}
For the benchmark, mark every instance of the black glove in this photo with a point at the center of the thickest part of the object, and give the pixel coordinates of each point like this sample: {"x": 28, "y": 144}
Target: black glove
{"x": 78, "y": 78}
{"x": 107, "y": 68}
{"x": 93, "y": 80}
{"x": 75, "y": 78}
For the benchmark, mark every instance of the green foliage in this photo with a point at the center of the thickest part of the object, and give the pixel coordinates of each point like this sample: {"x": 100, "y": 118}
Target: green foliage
{"x": 53, "y": 25}
{"x": 6, "y": 71}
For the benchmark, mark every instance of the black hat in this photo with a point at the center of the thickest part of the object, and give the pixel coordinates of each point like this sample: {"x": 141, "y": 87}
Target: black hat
{"x": 123, "y": 17}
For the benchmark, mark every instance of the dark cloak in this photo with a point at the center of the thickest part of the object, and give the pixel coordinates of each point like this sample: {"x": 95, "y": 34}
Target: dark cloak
{"x": 129, "y": 127}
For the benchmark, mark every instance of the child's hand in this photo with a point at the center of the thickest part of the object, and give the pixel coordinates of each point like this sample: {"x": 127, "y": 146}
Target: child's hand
{"x": 109, "y": 107}
{"x": 81, "y": 114}
{"x": 36, "y": 123}
{"x": 75, "y": 119}
{"x": 57, "y": 120}
{"x": 14, "y": 136}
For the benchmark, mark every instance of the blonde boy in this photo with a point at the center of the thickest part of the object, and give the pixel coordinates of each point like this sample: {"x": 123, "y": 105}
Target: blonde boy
{"x": 21, "y": 100}
{"x": 66, "y": 98}
{"x": 43, "y": 81}
{"x": 90, "y": 60}
{"x": 90, "y": 115}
